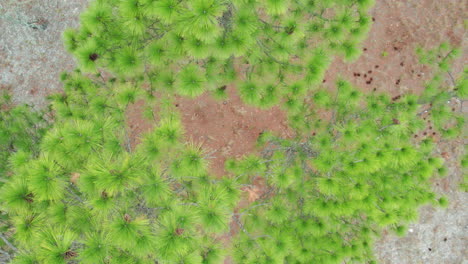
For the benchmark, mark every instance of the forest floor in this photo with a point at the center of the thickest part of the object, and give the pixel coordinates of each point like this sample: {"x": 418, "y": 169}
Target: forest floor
{"x": 32, "y": 57}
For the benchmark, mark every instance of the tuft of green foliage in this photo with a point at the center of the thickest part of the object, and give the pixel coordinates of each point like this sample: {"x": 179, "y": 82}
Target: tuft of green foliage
{"x": 89, "y": 196}
{"x": 21, "y": 130}
{"x": 438, "y": 93}
{"x": 200, "y": 42}
{"x": 349, "y": 174}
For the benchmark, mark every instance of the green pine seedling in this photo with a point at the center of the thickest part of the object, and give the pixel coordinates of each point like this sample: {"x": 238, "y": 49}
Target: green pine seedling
{"x": 86, "y": 179}
{"x": 363, "y": 159}
{"x": 131, "y": 38}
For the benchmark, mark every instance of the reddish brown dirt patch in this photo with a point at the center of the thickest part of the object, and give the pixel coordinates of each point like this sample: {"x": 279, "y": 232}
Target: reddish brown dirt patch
{"x": 137, "y": 124}
{"x": 388, "y": 62}
{"x": 225, "y": 129}
{"x": 228, "y": 128}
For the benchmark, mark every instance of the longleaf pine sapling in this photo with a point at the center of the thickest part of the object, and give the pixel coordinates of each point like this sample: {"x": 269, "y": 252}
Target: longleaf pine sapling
{"x": 89, "y": 197}
{"x": 332, "y": 190}
{"x": 193, "y": 46}
{"x": 81, "y": 191}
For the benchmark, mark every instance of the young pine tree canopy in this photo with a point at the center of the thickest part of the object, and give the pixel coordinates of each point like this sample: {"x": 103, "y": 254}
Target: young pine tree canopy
{"x": 84, "y": 192}
{"x": 198, "y": 43}
{"x": 21, "y": 129}
{"x": 332, "y": 190}
{"x": 88, "y": 196}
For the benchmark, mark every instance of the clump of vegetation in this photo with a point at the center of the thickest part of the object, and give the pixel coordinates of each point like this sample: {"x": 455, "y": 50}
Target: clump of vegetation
{"x": 360, "y": 164}
{"x": 91, "y": 197}
{"x": 438, "y": 93}
{"x": 21, "y": 130}
{"x": 273, "y": 50}
{"x": 447, "y": 119}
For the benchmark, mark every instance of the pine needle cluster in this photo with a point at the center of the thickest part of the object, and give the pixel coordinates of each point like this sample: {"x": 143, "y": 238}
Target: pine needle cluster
{"x": 440, "y": 91}
{"x": 21, "y": 129}
{"x": 89, "y": 196}
{"x": 194, "y": 46}
{"x": 332, "y": 190}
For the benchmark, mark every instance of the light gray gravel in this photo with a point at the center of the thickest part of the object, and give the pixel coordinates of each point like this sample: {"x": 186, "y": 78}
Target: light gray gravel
{"x": 31, "y": 51}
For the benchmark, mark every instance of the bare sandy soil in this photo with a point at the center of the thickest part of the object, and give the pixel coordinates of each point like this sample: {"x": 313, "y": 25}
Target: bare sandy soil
{"x": 31, "y": 52}
{"x": 32, "y": 56}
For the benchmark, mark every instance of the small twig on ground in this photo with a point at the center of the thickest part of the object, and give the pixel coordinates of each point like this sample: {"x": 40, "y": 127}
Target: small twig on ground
{"x": 8, "y": 242}
{"x": 210, "y": 154}
{"x": 128, "y": 145}
{"x": 78, "y": 198}
{"x": 452, "y": 79}
{"x": 5, "y": 253}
